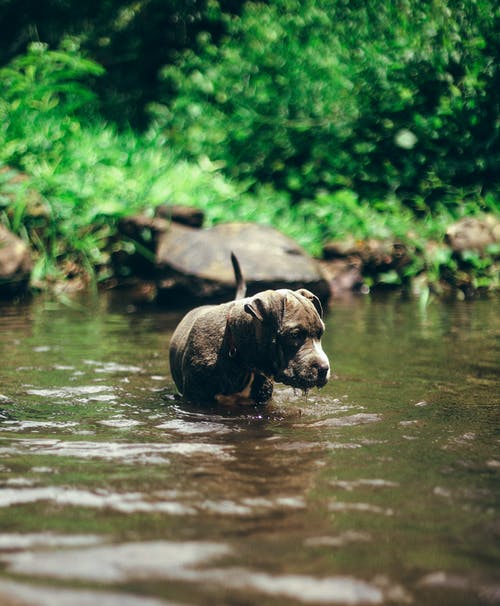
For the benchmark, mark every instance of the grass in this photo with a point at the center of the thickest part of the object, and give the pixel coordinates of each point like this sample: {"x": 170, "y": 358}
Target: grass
{"x": 68, "y": 207}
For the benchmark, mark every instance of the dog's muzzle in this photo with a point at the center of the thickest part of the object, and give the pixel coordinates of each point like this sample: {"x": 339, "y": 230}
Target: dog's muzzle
{"x": 308, "y": 368}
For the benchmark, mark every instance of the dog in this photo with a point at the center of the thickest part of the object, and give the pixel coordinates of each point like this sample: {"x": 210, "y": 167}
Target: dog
{"x": 233, "y": 353}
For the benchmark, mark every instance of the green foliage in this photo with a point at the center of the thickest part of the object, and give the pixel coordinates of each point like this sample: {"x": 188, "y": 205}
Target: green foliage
{"x": 132, "y": 40}
{"x": 80, "y": 175}
{"x": 87, "y": 175}
{"x": 378, "y": 98}
{"x": 37, "y": 86}
{"x": 257, "y": 101}
{"x": 271, "y": 126}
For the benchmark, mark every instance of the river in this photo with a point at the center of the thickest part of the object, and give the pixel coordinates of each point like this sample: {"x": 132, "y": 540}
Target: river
{"x": 382, "y": 488}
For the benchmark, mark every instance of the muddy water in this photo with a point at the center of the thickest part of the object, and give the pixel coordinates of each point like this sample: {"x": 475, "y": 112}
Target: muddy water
{"x": 383, "y": 488}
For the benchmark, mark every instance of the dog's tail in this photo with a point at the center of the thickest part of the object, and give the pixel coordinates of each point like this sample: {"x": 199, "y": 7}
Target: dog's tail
{"x": 241, "y": 287}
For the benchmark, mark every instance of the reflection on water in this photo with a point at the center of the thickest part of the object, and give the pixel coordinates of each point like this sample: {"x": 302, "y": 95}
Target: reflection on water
{"x": 382, "y": 488}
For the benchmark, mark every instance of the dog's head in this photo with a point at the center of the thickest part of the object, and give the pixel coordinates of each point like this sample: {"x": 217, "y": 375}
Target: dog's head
{"x": 289, "y": 325}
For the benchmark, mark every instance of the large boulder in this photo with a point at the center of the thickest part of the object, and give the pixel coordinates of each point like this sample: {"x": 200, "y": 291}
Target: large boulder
{"x": 196, "y": 262}
{"x": 15, "y": 264}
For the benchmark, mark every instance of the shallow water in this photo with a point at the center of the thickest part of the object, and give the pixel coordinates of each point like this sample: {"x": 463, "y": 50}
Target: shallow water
{"x": 382, "y": 488}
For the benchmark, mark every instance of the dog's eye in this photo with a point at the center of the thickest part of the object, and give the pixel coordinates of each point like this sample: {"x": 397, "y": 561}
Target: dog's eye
{"x": 296, "y": 334}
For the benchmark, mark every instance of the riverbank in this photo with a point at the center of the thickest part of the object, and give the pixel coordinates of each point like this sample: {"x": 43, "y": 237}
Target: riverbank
{"x": 68, "y": 178}
{"x": 46, "y": 249}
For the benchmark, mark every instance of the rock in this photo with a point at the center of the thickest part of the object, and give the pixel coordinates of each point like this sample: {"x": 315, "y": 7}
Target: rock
{"x": 15, "y": 264}
{"x": 142, "y": 228}
{"x": 196, "y": 262}
{"x": 186, "y": 215}
{"x": 346, "y": 261}
{"x": 473, "y": 233}
{"x": 402, "y": 255}
{"x": 340, "y": 249}
{"x": 374, "y": 254}
{"x": 134, "y": 252}
{"x": 377, "y": 255}
{"x": 344, "y": 276}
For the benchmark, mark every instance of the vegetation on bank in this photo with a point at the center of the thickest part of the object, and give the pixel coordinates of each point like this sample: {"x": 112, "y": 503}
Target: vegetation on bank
{"x": 286, "y": 118}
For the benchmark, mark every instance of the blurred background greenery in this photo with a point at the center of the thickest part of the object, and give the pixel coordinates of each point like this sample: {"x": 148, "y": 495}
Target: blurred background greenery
{"x": 322, "y": 118}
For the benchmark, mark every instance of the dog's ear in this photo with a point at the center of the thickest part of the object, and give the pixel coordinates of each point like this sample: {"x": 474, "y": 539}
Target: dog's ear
{"x": 255, "y": 308}
{"x": 313, "y": 298}
{"x": 267, "y": 305}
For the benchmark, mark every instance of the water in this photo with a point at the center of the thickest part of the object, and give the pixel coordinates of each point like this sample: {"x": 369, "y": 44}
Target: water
{"x": 383, "y": 488}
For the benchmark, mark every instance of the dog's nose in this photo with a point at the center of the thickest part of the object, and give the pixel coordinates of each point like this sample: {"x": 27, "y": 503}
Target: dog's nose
{"x": 323, "y": 370}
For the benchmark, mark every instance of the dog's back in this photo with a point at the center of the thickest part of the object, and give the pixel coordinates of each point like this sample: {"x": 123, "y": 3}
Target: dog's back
{"x": 181, "y": 336}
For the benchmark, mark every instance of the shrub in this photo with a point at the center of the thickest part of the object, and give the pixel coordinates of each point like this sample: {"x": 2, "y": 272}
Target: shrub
{"x": 81, "y": 173}
{"x": 314, "y": 95}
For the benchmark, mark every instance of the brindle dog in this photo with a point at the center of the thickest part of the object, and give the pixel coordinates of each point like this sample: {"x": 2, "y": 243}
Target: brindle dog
{"x": 233, "y": 352}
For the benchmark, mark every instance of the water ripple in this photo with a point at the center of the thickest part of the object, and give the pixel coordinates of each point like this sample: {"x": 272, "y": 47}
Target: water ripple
{"x": 181, "y": 561}
{"x": 484, "y": 590}
{"x": 18, "y": 593}
{"x": 117, "y": 563}
{"x": 14, "y": 541}
{"x": 360, "y": 418}
{"x": 126, "y": 452}
{"x": 361, "y": 507}
{"x": 19, "y": 426}
{"x": 329, "y": 590}
{"x": 152, "y": 502}
{"x": 69, "y": 391}
{"x": 121, "y": 502}
{"x": 82, "y": 394}
{"x": 362, "y": 483}
{"x": 189, "y": 428}
{"x": 111, "y": 367}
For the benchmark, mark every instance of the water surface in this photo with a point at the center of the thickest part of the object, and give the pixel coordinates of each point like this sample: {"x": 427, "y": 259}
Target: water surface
{"x": 382, "y": 488}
